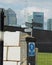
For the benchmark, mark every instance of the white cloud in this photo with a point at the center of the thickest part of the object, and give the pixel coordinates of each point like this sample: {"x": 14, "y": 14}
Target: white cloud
{"x": 23, "y": 8}
{"x": 11, "y": 1}
{"x": 23, "y": 14}
{"x": 29, "y": 10}
{"x": 8, "y": 1}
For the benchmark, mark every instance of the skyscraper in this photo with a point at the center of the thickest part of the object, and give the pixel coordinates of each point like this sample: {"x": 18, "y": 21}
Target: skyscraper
{"x": 10, "y": 18}
{"x": 38, "y": 19}
{"x": 49, "y": 24}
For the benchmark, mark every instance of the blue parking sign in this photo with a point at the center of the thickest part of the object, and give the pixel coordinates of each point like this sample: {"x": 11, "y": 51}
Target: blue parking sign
{"x": 31, "y": 49}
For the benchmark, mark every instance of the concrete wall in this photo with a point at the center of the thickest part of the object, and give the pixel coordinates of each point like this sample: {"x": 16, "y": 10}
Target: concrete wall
{"x": 15, "y": 48}
{"x": 11, "y": 53}
{"x": 23, "y": 46}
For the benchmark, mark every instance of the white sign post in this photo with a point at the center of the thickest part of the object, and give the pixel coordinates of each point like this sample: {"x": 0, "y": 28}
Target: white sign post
{"x": 28, "y": 30}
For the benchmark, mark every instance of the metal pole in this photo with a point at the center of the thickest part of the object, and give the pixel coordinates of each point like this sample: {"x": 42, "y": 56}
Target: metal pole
{"x": 1, "y": 34}
{"x": 32, "y": 28}
{"x": 31, "y": 33}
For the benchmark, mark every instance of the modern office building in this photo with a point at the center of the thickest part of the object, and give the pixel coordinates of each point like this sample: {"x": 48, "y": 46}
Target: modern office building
{"x": 38, "y": 20}
{"x": 6, "y": 18}
{"x": 49, "y": 24}
{"x": 10, "y": 18}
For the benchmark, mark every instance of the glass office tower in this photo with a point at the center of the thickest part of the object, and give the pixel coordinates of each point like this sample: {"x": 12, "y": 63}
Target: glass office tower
{"x": 10, "y": 18}
{"x": 38, "y": 19}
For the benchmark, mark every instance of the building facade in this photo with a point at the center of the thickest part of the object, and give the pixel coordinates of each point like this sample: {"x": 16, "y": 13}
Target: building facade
{"x": 38, "y": 19}
{"x": 10, "y": 18}
{"x": 49, "y": 24}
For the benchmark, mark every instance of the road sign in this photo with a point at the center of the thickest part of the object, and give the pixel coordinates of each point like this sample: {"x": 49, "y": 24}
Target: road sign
{"x": 28, "y": 30}
{"x": 28, "y": 24}
{"x": 31, "y": 49}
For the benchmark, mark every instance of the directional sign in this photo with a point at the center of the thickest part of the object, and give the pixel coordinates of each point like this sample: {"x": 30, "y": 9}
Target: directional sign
{"x": 31, "y": 49}
{"x": 28, "y": 30}
{"x": 28, "y": 24}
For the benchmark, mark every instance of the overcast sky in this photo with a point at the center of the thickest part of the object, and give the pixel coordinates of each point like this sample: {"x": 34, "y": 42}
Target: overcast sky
{"x": 28, "y": 6}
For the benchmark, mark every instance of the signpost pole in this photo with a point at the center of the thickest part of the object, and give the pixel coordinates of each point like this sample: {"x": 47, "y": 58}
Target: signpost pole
{"x": 31, "y": 50}
{"x": 32, "y": 28}
{"x": 31, "y": 53}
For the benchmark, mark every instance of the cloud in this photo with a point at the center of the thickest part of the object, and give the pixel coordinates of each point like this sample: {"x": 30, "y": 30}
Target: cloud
{"x": 8, "y": 1}
{"x": 22, "y": 15}
{"x": 11, "y": 1}
{"x": 29, "y": 11}
{"x": 23, "y": 8}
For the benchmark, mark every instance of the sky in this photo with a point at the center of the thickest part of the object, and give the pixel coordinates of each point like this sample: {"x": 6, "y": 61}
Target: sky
{"x": 23, "y": 8}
